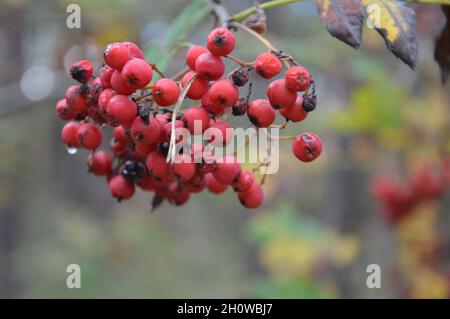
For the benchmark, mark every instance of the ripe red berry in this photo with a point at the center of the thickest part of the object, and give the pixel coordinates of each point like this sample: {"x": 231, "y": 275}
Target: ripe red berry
{"x": 183, "y": 167}
{"x": 121, "y": 188}
{"x": 119, "y": 85}
{"x": 147, "y": 132}
{"x": 195, "y": 184}
{"x": 213, "y": 185}
{"x": 167, "y": 129}
{"x": 261, "y": 113}
{"x": 82, "y": 71}
{"x": 196, "y": 120}
{"x": 253, "y": 197}
{"x": 244, "y": 182}
{"x": 95, "y": 113}
{"x": 193, "y": 53}
{"x": 295, "y": 113}
{"x": 69, "y": 134}
{"x": 227, "y": 170}
{"x": 177, "y": 194}
{"x": 104, "y": 74}
{"x": 209, "y": 66}
{"x": 267, "y": 65}
{"x": 120, "y": 135}
{"x": 220, "y": 133}
{"x": 137, "y": 73}
{"x": 99, "y": 163}
{"x": 210, "y": 106}
{"x": 297, "y": 78}
{"x": 76, "y": 98}
{"x": 89, "y": 136}
{"x": 104, "y": 98}
{"x": 220, "y": 41}
{"x": 157, "y": 165}
{"x": 280, "y": 96}
{"x": 198, "y": 87}
{"x": 116, "y": 55}
{"x": 223, "y": 94}
{"x": 135, "y": 51}
{"x": 165, "y": 92}
{"x": 147, "y": 183}
{"x": 63, "y": 111}
{"x": 121, "y": 110}
{"x": 307, "y": 147}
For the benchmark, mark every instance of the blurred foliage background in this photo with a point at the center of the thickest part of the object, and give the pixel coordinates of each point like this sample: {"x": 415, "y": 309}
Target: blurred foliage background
{"x": 319, "y": 227}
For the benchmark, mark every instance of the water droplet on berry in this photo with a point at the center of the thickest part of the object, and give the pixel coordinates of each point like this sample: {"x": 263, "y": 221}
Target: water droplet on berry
{"x": 72, "y": 150}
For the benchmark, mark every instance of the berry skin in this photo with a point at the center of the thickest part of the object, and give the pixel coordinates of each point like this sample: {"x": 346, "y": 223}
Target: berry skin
{"x": 279, "y": 96}
{"x": 267, "y": 65}
{"x": 209, "y": 66}
{"x": 244, "y": 182}
{"x": 211, "y": 107}
{"x": 220, "y": 133}
{"x": 193, "y": 53}
{"x": 183, "y": 167}
{"x": 63, "y": 111}
{"x": 82, "y": 71}
{"x": 307, "y": 147}
{"x": 121, "y": 110}
{"x": 76, "y": 98}
{"x": 196, "y": 117}
{"x": 177, "y": 194}
{"x": 137, "y": 73}
{"x": 144, "y": 149}
{"x": 261, "y": 113}
{"x": 223, "y": 94}
{"x": 165, "y": 92}
{"x": 135, "y": 51}
{"x": 147, "y": 183}
{"x": 220, "y": 42}
{"x": 157, "y": 165}
{"x": 227, "y": 170}
{"x": 198, "y": 87}
{"x": 105, "y": 76}
{"x": 253, "y": 197}
{"x": 120, "y": 135}
{"x": 147, "y": 133}
{"x": 69, "y": 134}
{"x": 116, "y": 55}
{"x": 167, "y": 129}
{"x": 121, "y": 188}
{"x": 119, "y": 85}
{"x": 104, "y": 98}
{"x": 99, "y": 163}
{"x": 195, "y": 185}
{"x": 95, "y": 88}
{"x": 89, "y": 136}
{"x": 297, "y": 78}
{"x": 295, "y": 113}
{"x": 213, "y": 185}
{"x": 95, "y": 113}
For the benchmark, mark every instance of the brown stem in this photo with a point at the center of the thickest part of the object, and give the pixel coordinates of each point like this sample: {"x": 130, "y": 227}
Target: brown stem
{"x": 243, "y": 64}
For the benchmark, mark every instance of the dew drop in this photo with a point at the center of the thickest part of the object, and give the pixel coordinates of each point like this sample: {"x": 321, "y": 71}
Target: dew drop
{"x": 72, "y": 150}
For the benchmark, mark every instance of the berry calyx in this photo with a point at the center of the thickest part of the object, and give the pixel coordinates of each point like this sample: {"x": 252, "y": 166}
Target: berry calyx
{"x": 223, "y": 94}
{"x": 146, "y": 131}
{"x": 220, "y": 42}
{"x": 261, "y": 113}
{"x": 307, "y": 147}
{"x": 137, "y": 73}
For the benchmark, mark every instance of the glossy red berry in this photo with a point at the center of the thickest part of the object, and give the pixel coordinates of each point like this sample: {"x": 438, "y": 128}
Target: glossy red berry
{"x": 244, "y": 182}
{"x": 119, "y": 85}
{"x": 227, "y": 170}
{"x": 220, "y": 42}
{"x": 178, "y": 195}
{"x": 63, "y": 111}
{"x": 104, "y": 98}
{"x": 267, "y": 65}
{"x": 116, "y": 55}
{"x": 82, "y": 71}
{"x": 137, "y": 73}
{"x": 220, "y": 133}
{"x": 198, "y": 87}
{"x": 147, "y": 132}
{"x": 261, "y": 113}
{"x": 195, "y": 184}
{"x": 157, "y": 165}
{"x": 121, "y": 110}
{"x": 121, "y": 188}
{"x": 253, "y": 197}
{"x": 296, "y": 113}
{"x": 76, "y": 98}
{"x": 223, "y": 94}
{"x": 213, "y": 185}
{"x": 120, "y": 134}
{"x": 183, "y": 167}
{"x": 104, "y": 75}
{"x": 165, "y": 92}
{"x": 89, "y": 136}
{"x": 209, "y": 66}
{"x": 69, "y": 134}
{"x": 147, "y": 183}
{"x": 135, "y": 51}
{"x": 307, "y": 147}
{"x": 99, "y": 163}
{"x": 280, "y": 96}
{"x": 196, "y": 120}
{"x": 297, "y": 78}
{"x": 193, "y": 53}
{"x": 210, "y": 106}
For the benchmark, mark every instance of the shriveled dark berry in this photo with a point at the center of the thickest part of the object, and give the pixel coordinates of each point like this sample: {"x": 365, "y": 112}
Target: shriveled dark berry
{"x": 133, "y": 171}
{"x": 309, "y": 102}
{"x": 240, "y": 108}
{"x": 240, "y": 77}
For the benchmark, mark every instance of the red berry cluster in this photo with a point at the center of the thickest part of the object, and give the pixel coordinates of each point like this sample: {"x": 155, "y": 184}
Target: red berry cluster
{"x": 123, "y": 96}
{"x": 398, "y": 199}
